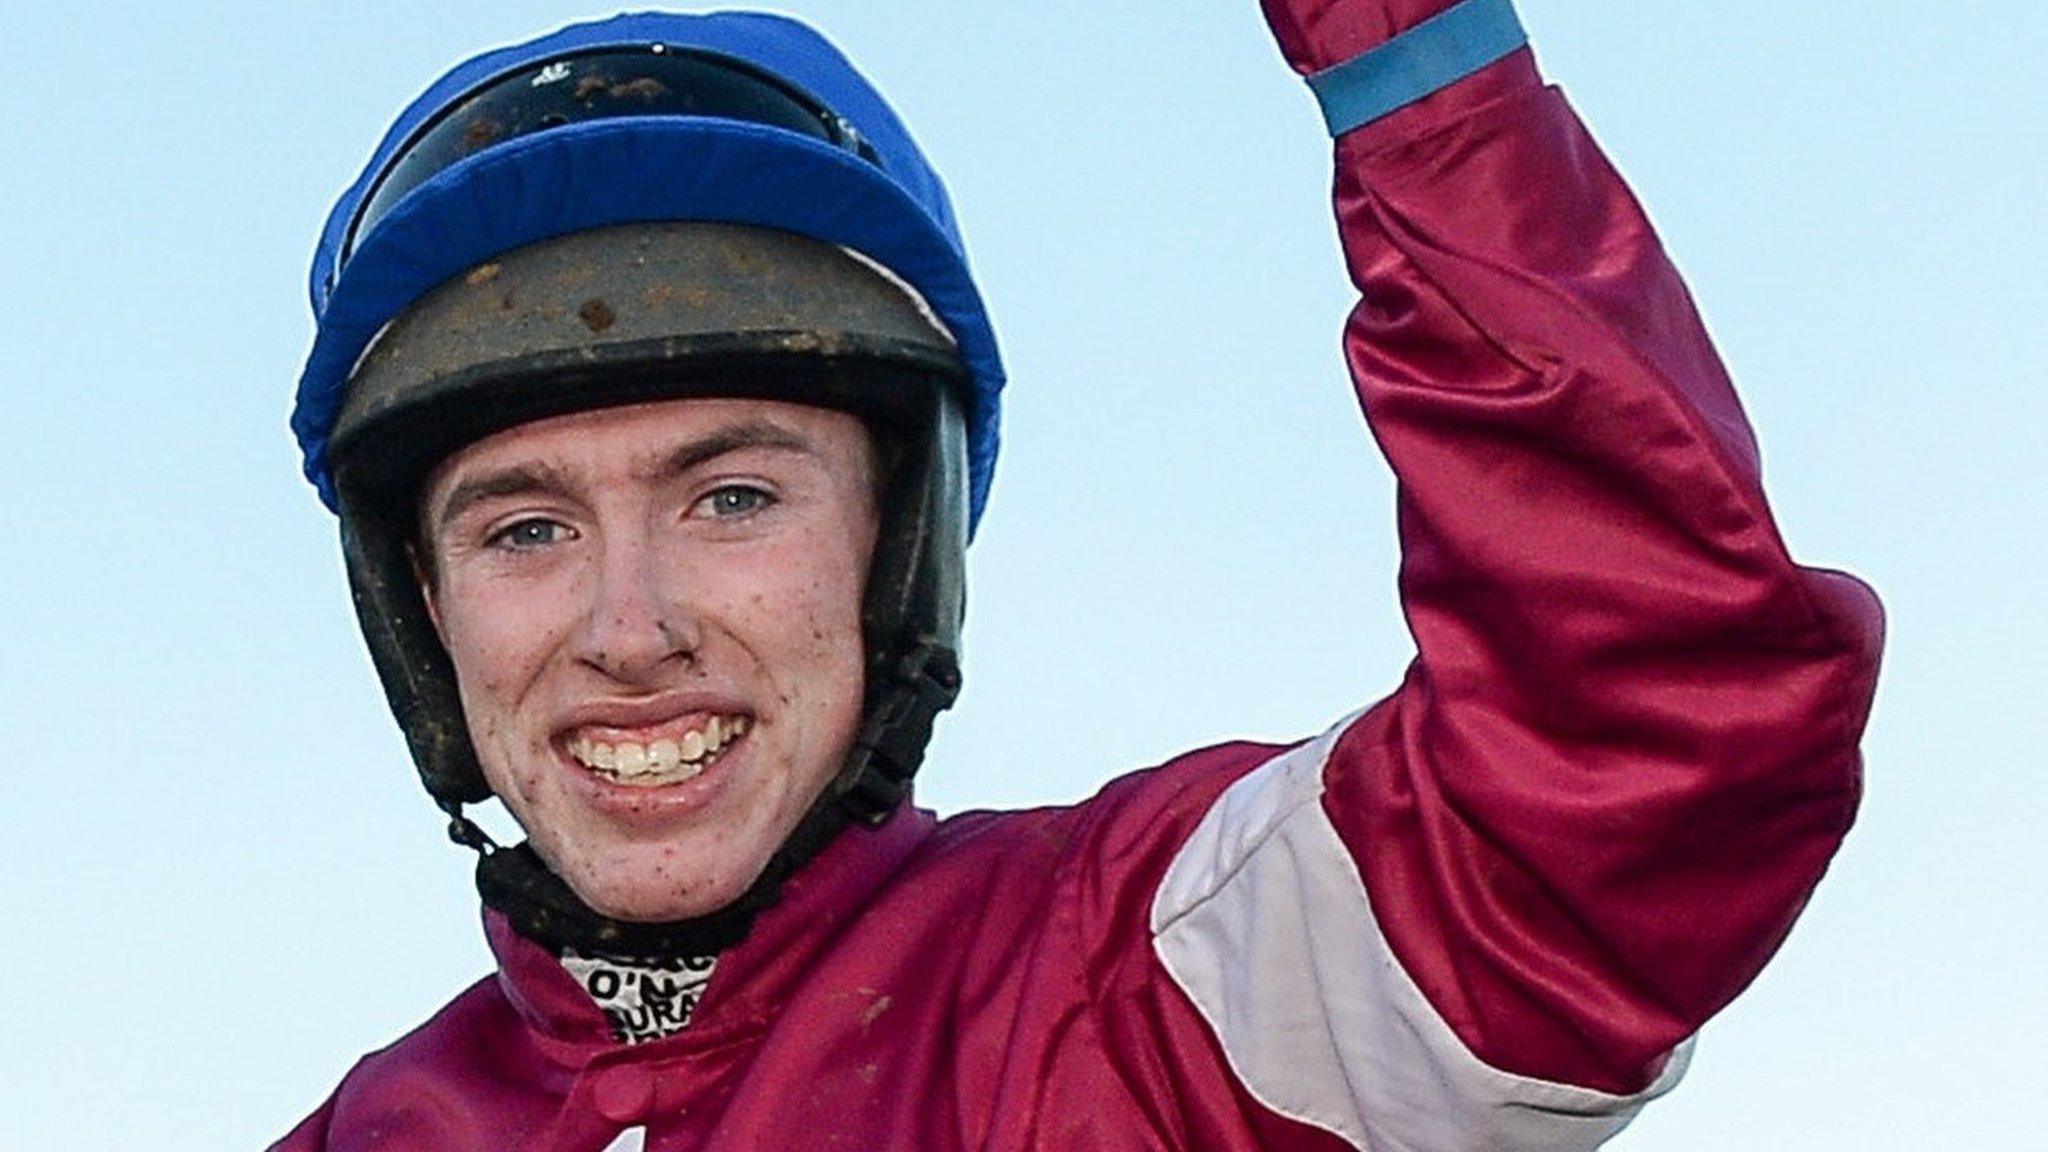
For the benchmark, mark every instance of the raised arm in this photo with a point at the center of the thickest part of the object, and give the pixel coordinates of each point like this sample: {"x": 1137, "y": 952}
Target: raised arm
{"x": 1627, "y": 748}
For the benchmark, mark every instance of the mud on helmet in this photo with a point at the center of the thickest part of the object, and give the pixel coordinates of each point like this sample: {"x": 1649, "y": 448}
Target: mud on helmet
{"x": 650, "y": 208}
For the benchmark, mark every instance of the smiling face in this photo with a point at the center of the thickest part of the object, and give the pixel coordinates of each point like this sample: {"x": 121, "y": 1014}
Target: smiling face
{"x": 654, "y": 614}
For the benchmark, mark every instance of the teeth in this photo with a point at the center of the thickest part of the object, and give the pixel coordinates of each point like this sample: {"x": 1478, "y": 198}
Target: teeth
{"x": 664, "y": 761}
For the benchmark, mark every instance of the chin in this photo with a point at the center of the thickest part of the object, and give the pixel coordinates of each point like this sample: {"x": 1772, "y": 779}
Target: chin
{"x": 671, "y": 887}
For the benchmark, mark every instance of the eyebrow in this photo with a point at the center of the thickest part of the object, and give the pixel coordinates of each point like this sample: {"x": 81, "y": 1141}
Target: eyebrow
{"x": 518, "y": 480}
{"x": 754, "y": 433}
{"x": 525, "y": 479}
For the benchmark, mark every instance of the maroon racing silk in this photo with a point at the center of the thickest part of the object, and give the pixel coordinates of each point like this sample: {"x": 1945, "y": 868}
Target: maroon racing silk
{"x": 1488, "y": 912}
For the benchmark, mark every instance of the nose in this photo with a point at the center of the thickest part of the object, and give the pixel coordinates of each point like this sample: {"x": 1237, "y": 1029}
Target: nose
{"x": 635, "y": 626}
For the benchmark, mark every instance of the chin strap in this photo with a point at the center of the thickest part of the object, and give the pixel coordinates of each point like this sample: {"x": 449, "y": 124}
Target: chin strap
{"x": 906, "y": 697}
{"x": 911, "y": 693}
{"x": 516, "y": 882}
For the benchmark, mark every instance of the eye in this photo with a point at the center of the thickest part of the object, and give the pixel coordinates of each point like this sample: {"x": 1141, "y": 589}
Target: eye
{"x": 529, "y": 534}
{"x": 733, "y": 502}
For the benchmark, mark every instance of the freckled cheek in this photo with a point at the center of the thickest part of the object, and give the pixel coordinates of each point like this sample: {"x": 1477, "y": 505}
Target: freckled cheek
{"x": 501, "y": 633}
{"x": 768, "y": 594}
{"x": 507, "y": 757}
{"x": 502, "y": 636}
{"x": 819, "y": 622}
{"x": 500, "y": 657}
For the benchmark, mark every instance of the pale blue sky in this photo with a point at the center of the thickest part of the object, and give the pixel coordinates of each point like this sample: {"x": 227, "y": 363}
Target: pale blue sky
{"x": 220, "y": 883}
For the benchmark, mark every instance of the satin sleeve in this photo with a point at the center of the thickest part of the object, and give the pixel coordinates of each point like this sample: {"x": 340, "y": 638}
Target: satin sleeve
{"x": 1627, "y": 747}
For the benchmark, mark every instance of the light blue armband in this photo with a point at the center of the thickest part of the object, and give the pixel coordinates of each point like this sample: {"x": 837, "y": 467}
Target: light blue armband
{"x": 1436, "y": 53}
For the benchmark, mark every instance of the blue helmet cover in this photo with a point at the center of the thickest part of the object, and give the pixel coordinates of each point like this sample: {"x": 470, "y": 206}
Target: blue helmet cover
{"x": 640, "y": 169}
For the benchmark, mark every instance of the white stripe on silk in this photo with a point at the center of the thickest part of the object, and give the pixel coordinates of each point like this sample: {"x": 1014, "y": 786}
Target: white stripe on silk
{"x": 1265, "y": 924}
{"x": 631, "y": 1140}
